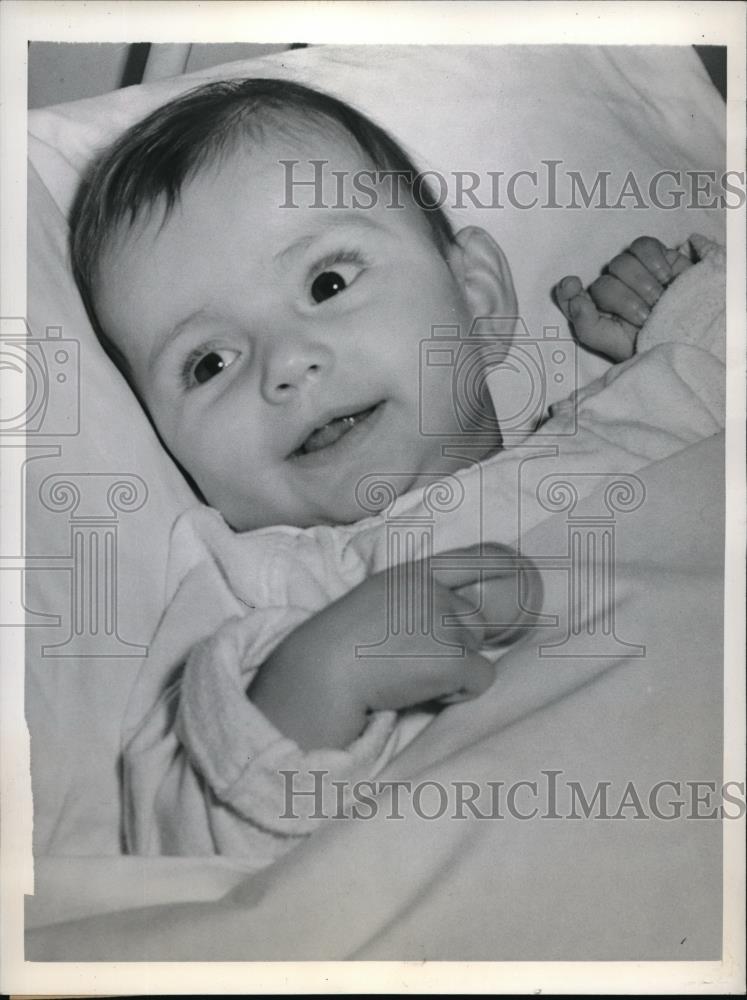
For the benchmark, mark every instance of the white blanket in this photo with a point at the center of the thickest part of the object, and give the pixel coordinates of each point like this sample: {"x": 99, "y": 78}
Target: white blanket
{"x": 503, "y": 888}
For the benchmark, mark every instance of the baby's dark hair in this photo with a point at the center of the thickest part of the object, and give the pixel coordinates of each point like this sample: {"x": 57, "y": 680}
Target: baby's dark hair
{"x": 153, "y": 159}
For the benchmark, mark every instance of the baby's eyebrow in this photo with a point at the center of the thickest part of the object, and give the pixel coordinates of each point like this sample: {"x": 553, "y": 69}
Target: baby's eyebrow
{"x": 304, "y": 242}
{"x": 162, "y": 342}
{"x": 295, "y": 247}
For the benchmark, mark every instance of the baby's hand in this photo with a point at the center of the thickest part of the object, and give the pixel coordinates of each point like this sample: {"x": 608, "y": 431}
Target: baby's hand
{"x": 318, "y": 688}
{"x": 608, "y": 316}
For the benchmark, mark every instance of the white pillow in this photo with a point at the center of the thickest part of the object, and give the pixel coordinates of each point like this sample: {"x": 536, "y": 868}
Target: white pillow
{"x": 476, "y": 109}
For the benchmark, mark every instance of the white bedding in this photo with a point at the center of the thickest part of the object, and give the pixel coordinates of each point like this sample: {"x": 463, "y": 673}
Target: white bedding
{"x": 502, "y": 888}
{"x": 648, "y": 109}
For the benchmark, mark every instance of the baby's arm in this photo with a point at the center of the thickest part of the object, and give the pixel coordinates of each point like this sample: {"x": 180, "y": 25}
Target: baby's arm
{"x": 608, "y": 316}
{"x": 317, "y": 688}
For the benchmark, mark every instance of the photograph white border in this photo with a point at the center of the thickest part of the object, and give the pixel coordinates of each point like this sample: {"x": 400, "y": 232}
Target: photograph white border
{"x": 385, "y": 23}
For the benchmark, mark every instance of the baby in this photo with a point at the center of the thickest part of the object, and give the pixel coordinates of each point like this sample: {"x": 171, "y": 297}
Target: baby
{"x": 275, "y": 344}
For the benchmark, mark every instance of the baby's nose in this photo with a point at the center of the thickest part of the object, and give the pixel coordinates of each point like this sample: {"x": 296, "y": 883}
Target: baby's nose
{"x": 290, "y": 370}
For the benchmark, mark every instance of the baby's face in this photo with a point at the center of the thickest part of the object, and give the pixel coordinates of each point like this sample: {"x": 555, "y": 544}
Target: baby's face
{"x": 278, "y": 349}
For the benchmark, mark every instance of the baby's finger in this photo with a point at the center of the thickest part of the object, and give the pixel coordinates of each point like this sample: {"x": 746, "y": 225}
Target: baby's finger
{"x": 565, "y": 291}
{"x": 653, "y": 256}
{"x": 628, "y": 269}
{"x": 584, "y": 317}
{"x": 576, "y": 305}
{"x": 612, "y": 337}
{"x": 678, "y": 262}
{"x": 610, "y": 295}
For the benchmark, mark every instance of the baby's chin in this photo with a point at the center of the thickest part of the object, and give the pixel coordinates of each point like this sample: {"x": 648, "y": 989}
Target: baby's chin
{"x": 459, "y": 455}
{"x": 254, "y": 521}
{"x": 369, "y": 496}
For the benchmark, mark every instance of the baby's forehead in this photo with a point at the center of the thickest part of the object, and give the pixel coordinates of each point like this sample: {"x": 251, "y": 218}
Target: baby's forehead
{"x": 285, "y": 180}
{"x": 311, "y": 176}
{"x": 314, "y": 165}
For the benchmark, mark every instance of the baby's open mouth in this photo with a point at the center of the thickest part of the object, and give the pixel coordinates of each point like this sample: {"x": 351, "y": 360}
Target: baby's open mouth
{"x": 331, "y": 432}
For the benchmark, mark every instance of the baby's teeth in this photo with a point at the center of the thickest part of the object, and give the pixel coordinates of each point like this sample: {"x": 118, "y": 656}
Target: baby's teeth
{"x": 332, "y": 431}
{"x": 329, "y": 434}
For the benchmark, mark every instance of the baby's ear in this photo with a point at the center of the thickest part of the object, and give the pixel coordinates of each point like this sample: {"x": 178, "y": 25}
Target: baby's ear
{"x": 481, "y": 269}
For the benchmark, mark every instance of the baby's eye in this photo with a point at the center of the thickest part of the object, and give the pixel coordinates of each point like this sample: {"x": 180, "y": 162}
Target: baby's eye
{"x": 328, "y": 283}
{"x": 207, "y": 366}
{"x": 335, "y": 276}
